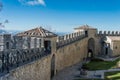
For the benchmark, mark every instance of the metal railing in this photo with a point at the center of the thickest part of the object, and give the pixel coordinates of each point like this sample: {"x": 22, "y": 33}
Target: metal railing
{"x": 11, "y": 59}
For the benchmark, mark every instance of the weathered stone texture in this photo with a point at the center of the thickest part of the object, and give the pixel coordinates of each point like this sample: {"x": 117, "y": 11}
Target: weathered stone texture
{"x": 73, "y": 48}
{"x": 37, "y": 70}
{"x": 71, "y": 54}
{"x": 116, "y": 48}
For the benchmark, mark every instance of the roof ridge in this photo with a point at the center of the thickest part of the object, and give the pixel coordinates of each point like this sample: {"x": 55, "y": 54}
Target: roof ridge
{"x": 38, "y": 31}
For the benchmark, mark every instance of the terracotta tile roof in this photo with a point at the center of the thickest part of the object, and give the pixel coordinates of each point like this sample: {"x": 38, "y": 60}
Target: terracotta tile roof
{"x": 37, "y": 32}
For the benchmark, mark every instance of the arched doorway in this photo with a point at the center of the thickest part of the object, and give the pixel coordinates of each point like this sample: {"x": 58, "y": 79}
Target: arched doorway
{"x": 53, "y": 66}
{"x": 91, "y": 48}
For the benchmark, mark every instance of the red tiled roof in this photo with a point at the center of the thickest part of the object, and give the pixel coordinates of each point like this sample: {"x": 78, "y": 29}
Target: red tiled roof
{"x": 37, "y": 32}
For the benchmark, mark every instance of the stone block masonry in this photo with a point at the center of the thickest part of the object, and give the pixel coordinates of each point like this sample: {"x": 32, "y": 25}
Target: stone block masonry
{"x": 37, "y": 70}
{"x": 71, "y": 54}
{"x": 39, "y": 58}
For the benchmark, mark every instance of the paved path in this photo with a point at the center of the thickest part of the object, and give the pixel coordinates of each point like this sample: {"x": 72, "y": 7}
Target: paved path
{"x": 72, "y": 72}
{"x": 68, "y": 73}
{"x": 98, "y": 73}
{"x": 103, "y": 57}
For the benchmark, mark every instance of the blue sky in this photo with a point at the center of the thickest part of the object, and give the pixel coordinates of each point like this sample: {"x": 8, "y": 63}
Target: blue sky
{"x": 61, "y": 15}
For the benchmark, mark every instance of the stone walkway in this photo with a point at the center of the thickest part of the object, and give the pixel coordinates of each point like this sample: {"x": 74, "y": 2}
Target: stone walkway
{"x": 107, "y": 58}
{"x": 73, "y": 72}
{"x": 68, "y": 73}
{"x": 98, "y": 74}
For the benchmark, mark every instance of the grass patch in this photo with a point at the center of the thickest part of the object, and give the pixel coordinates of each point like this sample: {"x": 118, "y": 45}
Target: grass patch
{"x": 97, "y": 64}
{"x": 112, "y": 75}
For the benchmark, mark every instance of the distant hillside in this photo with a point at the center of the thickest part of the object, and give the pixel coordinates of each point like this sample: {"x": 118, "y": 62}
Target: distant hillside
{"x": 3, "y": 32}
{"x": 9, "y": 32}
{"x": 61, "y": 33}
{"x": 13, "y": 32}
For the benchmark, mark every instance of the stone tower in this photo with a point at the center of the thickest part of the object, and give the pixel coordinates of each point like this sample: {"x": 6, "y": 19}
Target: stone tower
{"x": 5, "y": 42}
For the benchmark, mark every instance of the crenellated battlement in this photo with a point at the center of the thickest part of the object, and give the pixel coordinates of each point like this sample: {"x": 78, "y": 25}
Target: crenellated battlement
{"x": 19, "y": 42}
{"x": 69, "y": 38}
{"x": 109, "y": 33}
{"x": 19, "y": 50}
{"x": 43, "y": 56}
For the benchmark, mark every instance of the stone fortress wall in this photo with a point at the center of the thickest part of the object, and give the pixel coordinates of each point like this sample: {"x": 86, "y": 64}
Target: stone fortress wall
{"x": 24, "y": 58}
{"x": 110, "y": 42}
{"x": 28, "y": 58}
{"x": 69, "y": 38}
{"x": 19, "y": 42}
{"x": 24, "y": 54}
{"x": 70, "y": 49}
{"x": 109, "y": 33}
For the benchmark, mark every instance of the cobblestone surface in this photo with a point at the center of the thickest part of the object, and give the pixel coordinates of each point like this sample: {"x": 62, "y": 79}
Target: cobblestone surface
{"x": 68, "y": 73}
{"x": 72, "y": 72}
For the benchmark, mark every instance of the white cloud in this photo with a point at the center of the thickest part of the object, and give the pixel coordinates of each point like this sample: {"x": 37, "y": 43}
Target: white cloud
{"x": 33, "y": 2}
